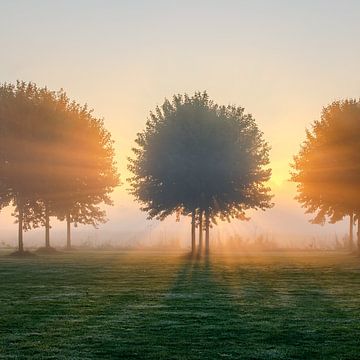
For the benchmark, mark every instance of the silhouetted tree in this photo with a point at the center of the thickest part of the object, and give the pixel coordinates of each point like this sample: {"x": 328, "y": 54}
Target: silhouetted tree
{"x": 197, "y": 156}
{"x": 326, "y": 168}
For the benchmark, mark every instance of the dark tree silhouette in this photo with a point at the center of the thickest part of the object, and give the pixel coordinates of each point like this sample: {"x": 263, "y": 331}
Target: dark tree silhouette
{"x": 326, "y": 168}
{"x": 200, "y": 159}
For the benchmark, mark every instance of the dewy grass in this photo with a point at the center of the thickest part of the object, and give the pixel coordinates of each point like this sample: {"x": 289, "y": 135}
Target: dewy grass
{"x": 170, "y": 306}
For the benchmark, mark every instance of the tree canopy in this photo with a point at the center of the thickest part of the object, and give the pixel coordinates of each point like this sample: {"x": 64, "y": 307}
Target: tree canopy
{"x": 195, "y": 155}
{"x": 326, "y": 169}
{"x": 56, "y": 158}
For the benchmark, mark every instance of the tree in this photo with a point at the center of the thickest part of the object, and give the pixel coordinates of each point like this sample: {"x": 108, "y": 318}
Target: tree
{"x": 87, "y": 165}
{"x": 56, "y": 159}
{"x": 19, "y": 165}
{"x": 92, "y": 173}
{"x": 196, "y": 157}
{"x": 326, "y": 169}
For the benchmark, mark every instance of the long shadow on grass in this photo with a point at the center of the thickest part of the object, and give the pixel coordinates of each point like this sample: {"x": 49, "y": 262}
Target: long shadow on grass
{"x": 277, "y": 314}
{"x": 294, "y": 312}
{"x": 196, "y": 318}
{"x": 192, "y": 308}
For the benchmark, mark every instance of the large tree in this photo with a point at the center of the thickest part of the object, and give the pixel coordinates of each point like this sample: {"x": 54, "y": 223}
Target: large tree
{"x": 200, "y": 159}
{"x": 326, "y": 169}
{"x": 19, "y": 139}
{"x": 90, "y": 168}
{"x": 56, "y": 159}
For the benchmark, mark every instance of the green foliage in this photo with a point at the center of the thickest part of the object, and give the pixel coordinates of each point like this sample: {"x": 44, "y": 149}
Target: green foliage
{"x": 197, "y": 155}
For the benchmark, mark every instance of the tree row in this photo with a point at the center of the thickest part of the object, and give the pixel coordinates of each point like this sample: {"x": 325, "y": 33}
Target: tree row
{"x": 194, "y": 158}
{"x": 56, "y": 160}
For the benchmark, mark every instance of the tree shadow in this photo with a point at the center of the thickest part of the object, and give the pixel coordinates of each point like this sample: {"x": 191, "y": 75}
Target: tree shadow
{"x": 292, "y": 312}
{"x": 272, "y": 315}
{"x": 204, "y": 308}
{"x": 196, "y": 319}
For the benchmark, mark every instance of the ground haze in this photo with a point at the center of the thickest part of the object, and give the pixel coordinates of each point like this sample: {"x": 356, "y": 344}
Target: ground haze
{"x": 171, "y": 306}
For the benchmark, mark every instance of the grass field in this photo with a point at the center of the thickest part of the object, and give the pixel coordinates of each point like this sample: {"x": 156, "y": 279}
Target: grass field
{"x": 129, "y": 305}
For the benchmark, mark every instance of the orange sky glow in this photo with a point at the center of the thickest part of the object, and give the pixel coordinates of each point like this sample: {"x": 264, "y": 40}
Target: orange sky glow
{"x": 282, "y": 62}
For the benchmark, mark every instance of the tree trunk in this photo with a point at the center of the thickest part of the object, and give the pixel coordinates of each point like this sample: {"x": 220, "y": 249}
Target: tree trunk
{"x": 47, "y": 226}
{"x": 68, "y": 231}
{"x": 200, "y": 231}
{"x": 351, "y": 236}
{"x": 21, "y": 218}
{"x": 358, "y": 233}
{"x": 207, "y": 232}
{"x": 193, "y": 245}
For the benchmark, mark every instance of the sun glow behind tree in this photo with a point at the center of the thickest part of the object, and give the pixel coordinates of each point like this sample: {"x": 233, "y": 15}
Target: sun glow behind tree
{"x": 327, "y": 167}
{"x": 200, "y": 159}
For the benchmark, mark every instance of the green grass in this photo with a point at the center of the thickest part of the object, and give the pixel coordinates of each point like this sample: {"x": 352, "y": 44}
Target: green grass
{"x": 129, "y": 305}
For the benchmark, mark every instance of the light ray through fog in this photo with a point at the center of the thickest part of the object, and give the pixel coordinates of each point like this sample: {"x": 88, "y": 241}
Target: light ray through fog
{"x": 264, "y": 61}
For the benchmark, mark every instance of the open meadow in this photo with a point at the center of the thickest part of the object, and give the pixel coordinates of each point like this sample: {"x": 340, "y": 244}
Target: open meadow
{"x": 151, "y": 305}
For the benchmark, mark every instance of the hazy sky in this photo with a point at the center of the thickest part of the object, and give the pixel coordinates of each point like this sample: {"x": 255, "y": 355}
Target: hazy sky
{"x": 281, "y": 60}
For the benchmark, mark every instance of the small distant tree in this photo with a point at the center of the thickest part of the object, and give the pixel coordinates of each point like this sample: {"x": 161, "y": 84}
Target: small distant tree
{"x": 326, "y": 169}
{"x": 200, "y": 159}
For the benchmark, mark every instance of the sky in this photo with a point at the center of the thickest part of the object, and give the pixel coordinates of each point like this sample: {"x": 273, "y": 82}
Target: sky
{"x": 280, "y": 60}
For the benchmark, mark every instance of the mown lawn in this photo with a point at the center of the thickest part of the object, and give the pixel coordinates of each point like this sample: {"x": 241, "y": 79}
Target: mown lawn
{"x": 129, "y": 305}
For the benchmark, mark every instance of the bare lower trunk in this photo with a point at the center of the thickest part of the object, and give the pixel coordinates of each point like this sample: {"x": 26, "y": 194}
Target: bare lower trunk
{"x": 68, "y": 231}
{"x": 193, "y": 245}
{"x": 358, "y": 233}
{"x": 20, "y": 234}
{"x": 47, "y": 226}
{"x": 351, "y": 236}
{"x": 200, "y": 230}
{"x": 207, "y": 232}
